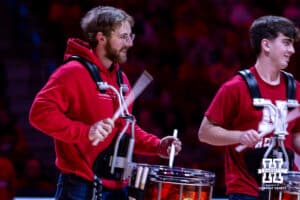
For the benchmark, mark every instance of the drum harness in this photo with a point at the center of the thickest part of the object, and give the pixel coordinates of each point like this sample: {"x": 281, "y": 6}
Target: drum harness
{"x": 279, "y": 122}
{"x": 115, "y": 162}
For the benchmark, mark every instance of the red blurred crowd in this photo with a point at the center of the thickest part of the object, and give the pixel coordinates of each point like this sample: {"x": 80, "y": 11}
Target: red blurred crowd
{"x": 190, "y": 49}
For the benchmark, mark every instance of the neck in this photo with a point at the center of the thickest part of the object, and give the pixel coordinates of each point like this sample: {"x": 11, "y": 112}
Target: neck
{"x": 107, "y": 63}
{"x": 267, "y": 73}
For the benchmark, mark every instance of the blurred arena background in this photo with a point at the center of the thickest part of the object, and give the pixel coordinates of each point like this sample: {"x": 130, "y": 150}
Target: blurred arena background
{"x": 189, "y": 47}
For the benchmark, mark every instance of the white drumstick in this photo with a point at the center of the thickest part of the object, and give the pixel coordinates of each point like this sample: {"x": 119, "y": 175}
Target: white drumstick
{"x": 294, "y": 114}
{"x": 137, "y": 89}
{"x": 144, "y": 178}
{"x": 138, "y": 177}
{"x": 172, "y": 152}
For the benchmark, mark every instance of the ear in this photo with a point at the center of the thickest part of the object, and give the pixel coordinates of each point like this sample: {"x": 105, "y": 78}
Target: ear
{"x": 265, "y": 44}
{"x": 101, "y": 38}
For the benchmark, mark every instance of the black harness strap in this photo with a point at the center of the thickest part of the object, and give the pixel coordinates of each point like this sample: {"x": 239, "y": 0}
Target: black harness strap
{"x": 290, "y": 85}
{"x": 92, "y": 68}
{"x": 120, "y": 77}
{"x": 251, "y": 82}
{"x": 253, "y": 87}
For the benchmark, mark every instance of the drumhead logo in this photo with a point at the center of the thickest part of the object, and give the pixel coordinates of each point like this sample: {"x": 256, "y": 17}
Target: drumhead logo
{"x": 272, "y": 171}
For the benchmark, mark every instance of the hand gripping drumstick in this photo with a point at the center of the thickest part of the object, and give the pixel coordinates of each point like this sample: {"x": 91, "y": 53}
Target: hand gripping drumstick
{"x": 172, "y": 152}
{"x": 294, "y": 114}
{"x": 261, "y": 135}
{"x": 137, "y": 89}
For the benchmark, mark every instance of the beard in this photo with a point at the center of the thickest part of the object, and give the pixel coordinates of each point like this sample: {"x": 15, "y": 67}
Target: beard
{"x": 115, "y": 55}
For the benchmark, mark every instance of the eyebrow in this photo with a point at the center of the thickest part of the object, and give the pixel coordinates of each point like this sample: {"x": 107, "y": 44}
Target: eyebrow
{"x": 288, "y": 39}
{"x": 126, "y": 33}
{"x": 122, "y": 33}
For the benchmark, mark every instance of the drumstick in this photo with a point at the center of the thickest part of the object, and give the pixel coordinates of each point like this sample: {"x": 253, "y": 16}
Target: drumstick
{"x": 137, "y": 89}
{"x": 138, "y": 177}
{"x": 243, "y": 146}
{"x": 172, "y": 151}
{"x": 295, "y": 113}
{"x": 144, "y": 178}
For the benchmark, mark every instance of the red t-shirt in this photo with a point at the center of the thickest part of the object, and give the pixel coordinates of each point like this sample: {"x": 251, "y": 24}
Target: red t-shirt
{"x": 232, "y": 108}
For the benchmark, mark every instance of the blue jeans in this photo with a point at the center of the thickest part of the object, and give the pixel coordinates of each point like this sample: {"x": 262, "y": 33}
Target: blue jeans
{"x": 237, "y": 196}
{"x": 71, "y": 187}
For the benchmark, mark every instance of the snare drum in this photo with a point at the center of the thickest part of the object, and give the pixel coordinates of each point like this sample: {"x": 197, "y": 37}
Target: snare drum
{"x": 165, "y": 183}
{"x": 292, "y": 186}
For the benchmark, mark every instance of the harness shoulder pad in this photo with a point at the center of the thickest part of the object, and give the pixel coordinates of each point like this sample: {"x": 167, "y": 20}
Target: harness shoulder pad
{"x": 90, "y": 67}
{"x": 291, "y": 89}
{"x": 290, "y": 85}
{"x": 251, "y": 82}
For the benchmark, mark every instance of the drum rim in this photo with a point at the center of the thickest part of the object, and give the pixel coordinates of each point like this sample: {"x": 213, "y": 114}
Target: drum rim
{"x": 200, "y": 171}
{"x": 159, "y": 180}
{"x": 193, "y": 176}
{"x": 292, "y": 181}
{"x": 293, "y": 173}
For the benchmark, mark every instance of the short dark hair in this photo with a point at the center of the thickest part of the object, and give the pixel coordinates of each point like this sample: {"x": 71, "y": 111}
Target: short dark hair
{"x": 268, "y": 27}
{"x": 102, "y": 19}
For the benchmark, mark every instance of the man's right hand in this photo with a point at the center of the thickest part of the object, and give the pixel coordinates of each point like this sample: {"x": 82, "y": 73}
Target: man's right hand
{"x": 249, "y": 138}
{"x": 100, "y": 130}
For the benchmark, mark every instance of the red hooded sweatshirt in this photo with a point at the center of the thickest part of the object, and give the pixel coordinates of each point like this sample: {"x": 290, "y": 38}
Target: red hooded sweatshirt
{"x": 67, "y": 106}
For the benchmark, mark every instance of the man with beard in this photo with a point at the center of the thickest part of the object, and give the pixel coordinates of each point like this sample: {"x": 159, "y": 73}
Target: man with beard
{"x": 78, "y": 116}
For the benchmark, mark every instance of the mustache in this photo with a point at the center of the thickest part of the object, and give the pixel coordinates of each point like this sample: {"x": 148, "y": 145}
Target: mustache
{"x": 125, "y": 48}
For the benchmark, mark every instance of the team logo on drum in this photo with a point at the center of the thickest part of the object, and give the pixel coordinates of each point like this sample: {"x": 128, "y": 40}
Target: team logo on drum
{"x": 272, "y": 171}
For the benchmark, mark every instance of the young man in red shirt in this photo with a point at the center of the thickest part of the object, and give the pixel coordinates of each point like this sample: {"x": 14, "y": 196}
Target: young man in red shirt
{"x": 232, "y": 119}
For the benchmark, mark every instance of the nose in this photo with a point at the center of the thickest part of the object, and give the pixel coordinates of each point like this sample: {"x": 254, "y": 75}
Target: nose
{"x": 292, "y": 49}
{"x": 130, "y": 39}
{"x": 129, "y": 43}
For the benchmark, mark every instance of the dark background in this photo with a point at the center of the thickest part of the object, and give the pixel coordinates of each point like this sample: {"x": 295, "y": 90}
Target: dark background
{"x": 190, "y": 47}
